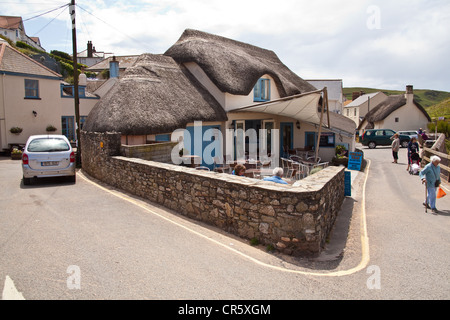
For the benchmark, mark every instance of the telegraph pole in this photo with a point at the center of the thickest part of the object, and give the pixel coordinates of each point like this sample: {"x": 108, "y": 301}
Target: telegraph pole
{"x": 75, "y": 82}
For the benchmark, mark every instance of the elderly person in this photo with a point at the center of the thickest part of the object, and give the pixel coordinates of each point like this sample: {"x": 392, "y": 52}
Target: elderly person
{"x": 431, "y": 176}
{"x": 277, "y": 176}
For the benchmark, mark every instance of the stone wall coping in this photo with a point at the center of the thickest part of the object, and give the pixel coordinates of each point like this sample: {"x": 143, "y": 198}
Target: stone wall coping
{"x": 148, "y": 144}
{"x": 311, "y": 183}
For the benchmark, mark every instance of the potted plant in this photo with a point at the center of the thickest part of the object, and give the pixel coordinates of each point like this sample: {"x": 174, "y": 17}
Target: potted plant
{"x": 16, "y": 154}
{"x": 341, "y": 157}
{"x": 15, "y": 130}
{"x": 51, "y": 128}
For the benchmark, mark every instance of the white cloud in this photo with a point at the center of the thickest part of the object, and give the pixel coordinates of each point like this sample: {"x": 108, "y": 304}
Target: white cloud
{"x": 316, "y": 39}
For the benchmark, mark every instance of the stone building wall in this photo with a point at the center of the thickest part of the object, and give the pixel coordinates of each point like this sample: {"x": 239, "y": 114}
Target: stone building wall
{"x": 295, "y": 220}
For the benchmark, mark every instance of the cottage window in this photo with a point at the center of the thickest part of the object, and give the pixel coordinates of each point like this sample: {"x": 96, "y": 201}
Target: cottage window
{"x": 31, "y": 89}
{"x": 262, "y": 90}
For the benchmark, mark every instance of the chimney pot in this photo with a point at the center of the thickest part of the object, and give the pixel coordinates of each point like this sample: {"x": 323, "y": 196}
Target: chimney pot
{"x": 89, "y": 49}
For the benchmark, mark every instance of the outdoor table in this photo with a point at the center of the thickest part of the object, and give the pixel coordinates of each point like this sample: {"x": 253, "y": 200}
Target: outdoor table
{"x": 258, "y": 173}
{"x": 191, "y": 160}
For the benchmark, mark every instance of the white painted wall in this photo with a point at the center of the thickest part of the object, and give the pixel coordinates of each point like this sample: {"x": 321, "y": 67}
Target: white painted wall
{"x": 15, "y": 111}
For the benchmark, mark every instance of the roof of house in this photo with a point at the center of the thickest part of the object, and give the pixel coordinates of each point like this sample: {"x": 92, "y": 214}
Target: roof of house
{"x": 12, "y": 60}
{"x": 124, "y": 62}
{"x": 8, "y": 22}
{"x": 385, "y": 108}
{"x": 234, "y": 66}
{"x": 155, "y": 95}
{"x": 362, "y": 99}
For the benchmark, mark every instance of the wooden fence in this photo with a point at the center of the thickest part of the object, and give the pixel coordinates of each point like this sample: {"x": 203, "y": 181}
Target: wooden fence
{"x": 444, "y": 163}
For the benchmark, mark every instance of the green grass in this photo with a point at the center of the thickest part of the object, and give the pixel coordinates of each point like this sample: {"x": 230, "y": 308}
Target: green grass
{"x": 441, "y": 109}
{"x": 425, "y": 97}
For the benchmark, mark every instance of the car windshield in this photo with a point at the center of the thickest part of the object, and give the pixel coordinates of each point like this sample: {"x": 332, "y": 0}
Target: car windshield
{"x": 48, "y": 145}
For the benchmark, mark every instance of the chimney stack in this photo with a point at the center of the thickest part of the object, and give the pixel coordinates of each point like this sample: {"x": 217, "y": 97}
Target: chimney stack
{"x": 409, "y": 89}
{"x": 356, "y": 95}
{"x": 409, "y": 94}
{"x": 114, "y": 68}
{"x": 89, "y": 49}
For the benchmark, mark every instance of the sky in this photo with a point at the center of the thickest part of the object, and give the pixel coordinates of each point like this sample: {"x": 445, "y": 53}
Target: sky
{"x": 384, "y": 44}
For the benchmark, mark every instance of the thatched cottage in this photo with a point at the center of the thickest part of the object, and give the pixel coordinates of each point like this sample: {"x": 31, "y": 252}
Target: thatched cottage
{"x": 226, "y": 84}
{"x": 397, "y": 112}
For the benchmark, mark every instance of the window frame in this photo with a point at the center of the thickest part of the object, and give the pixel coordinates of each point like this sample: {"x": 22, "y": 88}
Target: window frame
{"x": 261, "y": 90}
{"x": 31, "y": 88}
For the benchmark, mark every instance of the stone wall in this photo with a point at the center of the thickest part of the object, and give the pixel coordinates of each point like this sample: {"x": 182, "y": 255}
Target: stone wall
{"x": 158, "y": 151}
{"x": 295, "y": 220}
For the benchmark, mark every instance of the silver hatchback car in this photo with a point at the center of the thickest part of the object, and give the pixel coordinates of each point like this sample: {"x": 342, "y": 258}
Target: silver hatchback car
{"x": 48, "y": 156}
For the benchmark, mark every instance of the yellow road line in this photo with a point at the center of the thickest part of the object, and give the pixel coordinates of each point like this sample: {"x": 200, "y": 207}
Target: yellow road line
{"x": 364, "y": 238}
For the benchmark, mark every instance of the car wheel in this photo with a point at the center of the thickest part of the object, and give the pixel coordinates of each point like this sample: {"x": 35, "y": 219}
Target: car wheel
{"x": 26, "y": 181}
{"x": 405, "y": 144}
{"x": 372, "y": 145}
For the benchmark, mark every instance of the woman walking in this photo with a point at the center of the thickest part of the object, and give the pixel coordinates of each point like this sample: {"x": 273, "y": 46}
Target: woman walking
{"x": 413, "y": 147}
{"x": 395, "y": 147}
{"x": 431, "y": 176}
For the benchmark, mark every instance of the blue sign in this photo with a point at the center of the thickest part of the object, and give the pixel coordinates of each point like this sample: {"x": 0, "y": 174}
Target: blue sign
{"x": 348, "y": 184}
{"x": 354, "y": 160}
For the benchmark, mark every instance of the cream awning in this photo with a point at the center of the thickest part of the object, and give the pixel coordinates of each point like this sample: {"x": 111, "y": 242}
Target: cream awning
{"x": 303, "y": 107}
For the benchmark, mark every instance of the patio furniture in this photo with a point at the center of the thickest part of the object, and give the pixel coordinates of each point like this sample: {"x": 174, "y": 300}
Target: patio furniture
{"x": 300, "y": 171}
{"x": 191, "y": 160}
{"x": 202, "y": 168}
{"x": 223, "y": 167}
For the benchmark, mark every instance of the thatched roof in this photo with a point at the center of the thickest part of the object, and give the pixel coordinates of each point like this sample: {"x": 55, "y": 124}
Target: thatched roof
{"x": 234, "y": 66}
{"x": 155, "y": 95}
{"x": 340, "y": 122}
{"x": 385, "y": 108}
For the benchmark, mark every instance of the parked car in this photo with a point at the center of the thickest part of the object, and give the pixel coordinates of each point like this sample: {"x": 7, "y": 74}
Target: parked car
{"x": 410, "y": 133}
{"x": 381, "y": 137}
{"x": 48, "y": 156}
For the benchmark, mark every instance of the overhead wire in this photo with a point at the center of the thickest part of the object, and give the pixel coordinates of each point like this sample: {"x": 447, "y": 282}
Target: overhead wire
{"x": 50, "y": 21}
{"x": 39, "y": 15}
{"x": 128, "y": 36}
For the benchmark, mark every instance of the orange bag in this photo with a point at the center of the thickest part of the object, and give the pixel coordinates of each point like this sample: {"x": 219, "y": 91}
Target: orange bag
{"x": 441, "y": 193}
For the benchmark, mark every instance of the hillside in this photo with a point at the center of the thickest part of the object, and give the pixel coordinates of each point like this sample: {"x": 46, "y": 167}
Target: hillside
{"x": 425, "y": 97}
{"x": 441, "y": 109}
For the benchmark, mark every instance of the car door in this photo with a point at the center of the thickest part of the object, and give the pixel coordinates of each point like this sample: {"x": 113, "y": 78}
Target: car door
{"x": 379, "y": 137}
{"x": 387, "y": 137}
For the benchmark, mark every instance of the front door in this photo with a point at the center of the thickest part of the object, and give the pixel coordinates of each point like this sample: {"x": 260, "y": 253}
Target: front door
{"x": 286, "y": 138}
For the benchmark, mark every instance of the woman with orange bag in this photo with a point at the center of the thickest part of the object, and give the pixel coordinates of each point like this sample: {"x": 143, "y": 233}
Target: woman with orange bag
{"x": 431, "y": 176}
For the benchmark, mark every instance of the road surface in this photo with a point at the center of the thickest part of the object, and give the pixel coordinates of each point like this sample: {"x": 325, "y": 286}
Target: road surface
{"x": 60, "y": 240}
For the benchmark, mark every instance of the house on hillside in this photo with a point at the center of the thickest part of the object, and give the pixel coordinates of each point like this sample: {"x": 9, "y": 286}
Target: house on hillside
{"x": 91, "y": 56}
{"x": 397, "y": 112}
{"x": 227, "y": 85}
{"x": 359, "y": 107}
{"x": 124, "y": 62}
{"x": 13, "y": 28}
{"x": 33, "y": 97}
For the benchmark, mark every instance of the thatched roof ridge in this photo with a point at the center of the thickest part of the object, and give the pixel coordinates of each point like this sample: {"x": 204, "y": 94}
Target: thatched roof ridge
{"x": 386, "y": 107}
{"x": 155, "y": 95}
{"x": 234, "y": 66}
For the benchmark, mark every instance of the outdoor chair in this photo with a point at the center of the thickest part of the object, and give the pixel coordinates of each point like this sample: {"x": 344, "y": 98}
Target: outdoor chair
{"x": 202, "y": 168}
{"x": 300, "y": 171}
{"x": 221, "y": 167}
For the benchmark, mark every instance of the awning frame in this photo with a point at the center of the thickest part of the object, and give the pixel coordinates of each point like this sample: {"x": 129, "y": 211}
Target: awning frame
{"x": 323, "y": 108}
